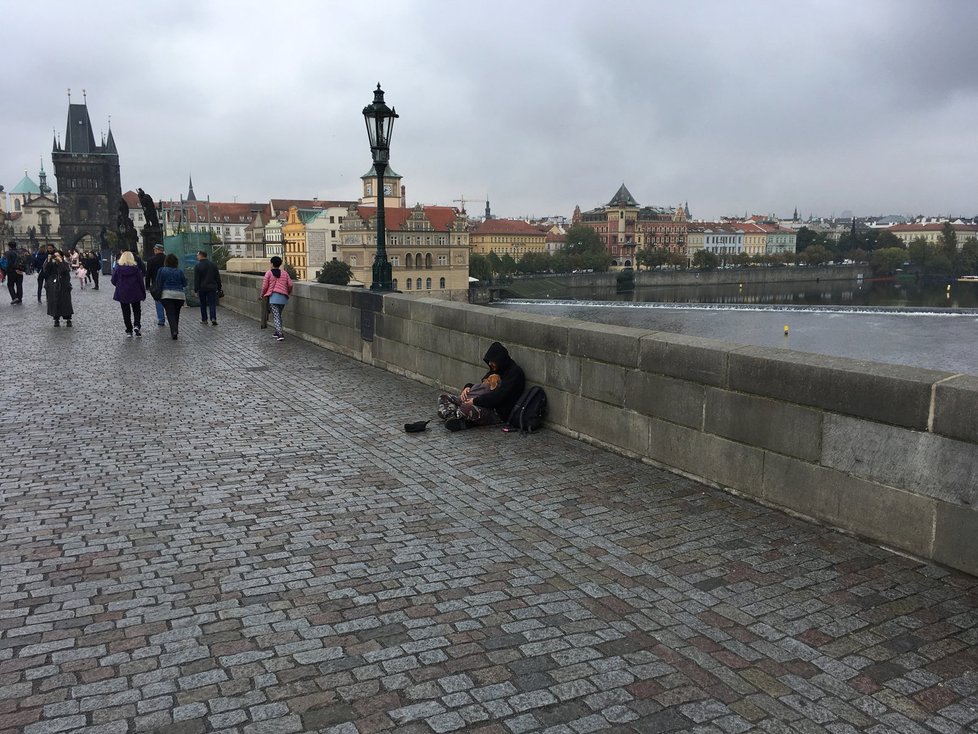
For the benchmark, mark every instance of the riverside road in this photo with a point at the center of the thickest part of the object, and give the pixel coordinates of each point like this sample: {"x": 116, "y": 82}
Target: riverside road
{"x": 227, "y": 533}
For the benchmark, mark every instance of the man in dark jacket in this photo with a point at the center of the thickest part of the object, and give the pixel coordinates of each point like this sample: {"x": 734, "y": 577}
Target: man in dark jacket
{"x": 154, "y": 263}
{"x": 15, "y": 274}
{"x": 491, "y": 400}
{"x": 40, "y": 258}
{"x": 207, "y": 283}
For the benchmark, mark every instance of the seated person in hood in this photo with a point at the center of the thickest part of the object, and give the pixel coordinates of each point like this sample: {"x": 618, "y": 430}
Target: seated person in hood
{"x": 491, "y": 400}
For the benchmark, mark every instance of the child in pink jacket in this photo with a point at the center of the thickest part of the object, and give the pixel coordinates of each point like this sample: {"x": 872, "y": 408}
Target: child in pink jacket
{"x": 277, "y": 287}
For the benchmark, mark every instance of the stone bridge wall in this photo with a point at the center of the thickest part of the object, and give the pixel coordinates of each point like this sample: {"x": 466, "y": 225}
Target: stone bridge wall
{"x": 886, "y": 452}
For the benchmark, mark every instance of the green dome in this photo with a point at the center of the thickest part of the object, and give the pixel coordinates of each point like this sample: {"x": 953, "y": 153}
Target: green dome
{"x": 26, "y": 186}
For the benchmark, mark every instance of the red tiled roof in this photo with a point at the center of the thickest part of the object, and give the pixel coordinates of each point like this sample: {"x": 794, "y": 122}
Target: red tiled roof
{"x": 507, "y": 226}
{"x": 440, "y": 217}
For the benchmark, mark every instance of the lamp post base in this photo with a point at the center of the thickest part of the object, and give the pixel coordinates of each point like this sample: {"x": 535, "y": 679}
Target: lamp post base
{"x": 382, "y": 278}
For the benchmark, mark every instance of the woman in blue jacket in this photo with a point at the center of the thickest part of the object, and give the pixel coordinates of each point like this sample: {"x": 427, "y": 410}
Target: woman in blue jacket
{"x": 173, "y": 282}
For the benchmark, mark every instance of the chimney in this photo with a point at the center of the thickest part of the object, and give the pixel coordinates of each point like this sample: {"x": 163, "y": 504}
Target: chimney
{"x": 403, "y": 197}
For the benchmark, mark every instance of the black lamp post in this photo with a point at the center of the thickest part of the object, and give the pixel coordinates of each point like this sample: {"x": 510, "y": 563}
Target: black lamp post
{"x": 380, "y": 123}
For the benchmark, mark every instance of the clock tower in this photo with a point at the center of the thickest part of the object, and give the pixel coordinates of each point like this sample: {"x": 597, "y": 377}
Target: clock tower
{"x": 392, "y": 189}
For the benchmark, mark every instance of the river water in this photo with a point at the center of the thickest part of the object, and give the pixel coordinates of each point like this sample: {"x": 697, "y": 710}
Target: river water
{"x": 910, "y": 324}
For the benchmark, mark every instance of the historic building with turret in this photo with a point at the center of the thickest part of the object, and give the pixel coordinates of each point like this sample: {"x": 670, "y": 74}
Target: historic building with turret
{"x": 89, "y": 183}
{"x": 625, "y": 227}
{"x": 33, "y": 219}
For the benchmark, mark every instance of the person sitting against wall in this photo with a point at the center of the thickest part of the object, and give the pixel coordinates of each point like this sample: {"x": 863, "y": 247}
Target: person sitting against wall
{"x": 491, "y": 400}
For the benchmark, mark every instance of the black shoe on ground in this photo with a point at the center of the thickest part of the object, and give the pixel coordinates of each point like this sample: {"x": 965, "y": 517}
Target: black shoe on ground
{"x": 213, "y": 323}
{"x": 68, "y": 323}
{"x": 456, "y": 424}
{"x": 174, "y": 337}
{"x": 57, "y": 323}
{"x": 138, "y": 331}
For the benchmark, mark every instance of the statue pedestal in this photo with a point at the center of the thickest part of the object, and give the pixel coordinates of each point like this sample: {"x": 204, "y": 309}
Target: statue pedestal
{"x": 152, "y": 236}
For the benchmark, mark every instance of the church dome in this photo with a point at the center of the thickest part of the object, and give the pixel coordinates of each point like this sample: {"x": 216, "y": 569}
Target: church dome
{"x": 26, "y": 186}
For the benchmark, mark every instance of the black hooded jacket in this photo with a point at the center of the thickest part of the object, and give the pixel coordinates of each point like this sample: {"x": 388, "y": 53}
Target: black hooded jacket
{"x": 511, "y": 382}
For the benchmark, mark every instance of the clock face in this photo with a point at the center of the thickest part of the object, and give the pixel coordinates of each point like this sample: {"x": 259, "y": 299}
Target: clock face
{"x": 388, "y": 189}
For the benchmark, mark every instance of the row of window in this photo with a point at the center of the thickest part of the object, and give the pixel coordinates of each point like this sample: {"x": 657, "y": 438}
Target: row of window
{"x": 417, "y": 284}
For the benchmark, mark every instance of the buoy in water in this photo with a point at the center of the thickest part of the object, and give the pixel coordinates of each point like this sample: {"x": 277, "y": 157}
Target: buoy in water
{"x": 786, "y": 330}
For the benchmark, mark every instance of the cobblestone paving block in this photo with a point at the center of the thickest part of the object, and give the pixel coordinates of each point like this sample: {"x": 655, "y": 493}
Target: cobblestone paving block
{"x": 284, "y": 558}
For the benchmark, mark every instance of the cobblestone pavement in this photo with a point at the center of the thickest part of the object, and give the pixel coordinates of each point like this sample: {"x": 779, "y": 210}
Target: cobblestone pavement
{"x": 226, "y": 533}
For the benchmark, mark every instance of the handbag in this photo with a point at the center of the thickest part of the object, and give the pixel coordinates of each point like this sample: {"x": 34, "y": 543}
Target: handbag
{"x": 156, "y": 291}
{"x": 220, "y": 293}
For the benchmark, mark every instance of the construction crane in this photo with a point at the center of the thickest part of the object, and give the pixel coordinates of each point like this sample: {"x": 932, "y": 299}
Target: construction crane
{"x": 462, "y": 202}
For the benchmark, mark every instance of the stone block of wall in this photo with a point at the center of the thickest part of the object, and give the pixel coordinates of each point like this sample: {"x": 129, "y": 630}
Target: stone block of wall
{"x": 956, "y": 408}
{"x": 885, "y": 393}
{"x": 771, "y": 424}
{"x": 930, "y": 465}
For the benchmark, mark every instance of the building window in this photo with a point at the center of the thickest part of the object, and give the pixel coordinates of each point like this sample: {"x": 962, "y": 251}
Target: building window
{"x": 409, "y": 284}
{"x": 427, "y": 262}
{"x": 395, "y": 261}
{"x": 419, "y": 283}
{"x": 394, "y": 283}
{"x": 353, "y": 261}
{"x": 441, "y": 283}
{"x": 409, "y": 261}
{"x": 443, "y": 259}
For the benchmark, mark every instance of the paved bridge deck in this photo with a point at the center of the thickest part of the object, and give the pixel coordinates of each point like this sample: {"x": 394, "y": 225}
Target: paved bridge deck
{"x": 229, "y": 533}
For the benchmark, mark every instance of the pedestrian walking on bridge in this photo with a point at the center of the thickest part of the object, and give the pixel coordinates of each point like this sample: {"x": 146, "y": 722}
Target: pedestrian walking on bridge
{"x": 172, "y": 284}
{"x": 130, "y": 292}
{"x": 57, "y": 286}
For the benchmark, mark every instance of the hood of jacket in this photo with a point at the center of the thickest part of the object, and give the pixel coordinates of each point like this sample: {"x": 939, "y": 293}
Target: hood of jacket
{"x": 497, "y": 353}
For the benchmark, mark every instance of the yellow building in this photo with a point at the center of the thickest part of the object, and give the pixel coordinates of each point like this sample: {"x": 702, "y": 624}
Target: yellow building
{"x": 931, "y": 232}
{"x": 511, "y": 237}
{"x": 294, "y": 242}
{"x": 755, "y": 238}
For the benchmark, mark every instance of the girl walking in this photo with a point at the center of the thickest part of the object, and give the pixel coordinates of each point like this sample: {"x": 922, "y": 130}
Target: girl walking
{"x": 172, "y": 284}
{"x": 130, "y": 292}
{"x": 277, "y": 287}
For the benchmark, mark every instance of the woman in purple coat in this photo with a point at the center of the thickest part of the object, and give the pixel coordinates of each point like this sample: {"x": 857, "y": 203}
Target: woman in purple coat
{"x": 130, "y": 291}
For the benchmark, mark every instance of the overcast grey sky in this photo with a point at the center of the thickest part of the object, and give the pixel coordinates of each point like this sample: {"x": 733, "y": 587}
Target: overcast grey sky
{"x": 759, "y": 106}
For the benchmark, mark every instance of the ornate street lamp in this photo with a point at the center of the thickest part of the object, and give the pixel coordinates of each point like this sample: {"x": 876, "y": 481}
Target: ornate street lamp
{"x": 380, "y": 123}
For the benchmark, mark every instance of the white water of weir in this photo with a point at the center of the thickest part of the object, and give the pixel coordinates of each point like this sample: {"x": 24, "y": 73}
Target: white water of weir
{"x": 763, "y": 308}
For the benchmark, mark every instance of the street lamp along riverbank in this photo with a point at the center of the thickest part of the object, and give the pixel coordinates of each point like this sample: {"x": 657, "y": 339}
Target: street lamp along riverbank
{"x": 380, "y": 124}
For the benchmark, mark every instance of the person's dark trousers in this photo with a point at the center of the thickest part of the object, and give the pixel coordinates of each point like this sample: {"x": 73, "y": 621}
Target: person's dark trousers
{"x": 131, "y": 311}
{"x": 93, "y": 274}
{"x": 208, "y": 302}
{"x": 172, "y": 307}
{"x": 15, "y": 284}
{"x": 40, "y": 284}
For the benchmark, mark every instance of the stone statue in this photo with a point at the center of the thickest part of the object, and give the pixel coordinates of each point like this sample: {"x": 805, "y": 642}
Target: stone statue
{"x": 103, "y": 240}
{"x": 32, "y": 236}
{"x": 123, "y": 217}
{"x": 149, "y": 209}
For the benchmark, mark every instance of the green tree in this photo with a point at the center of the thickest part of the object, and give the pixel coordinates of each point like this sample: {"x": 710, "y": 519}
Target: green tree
{"x": 949, "y": 239}
{"x": 887, "y": 239}
{"x": 966, "y": 259}
{"x": 887, "y": 260}
{"x": 677, "y": 260}
{"x": 290, "y": 269}
{"x": 507, "y": 265}
{"x": 335, "y": 272}
{"x": 220, "y": 256}
{"x": 817, "y": 254}
{"x": 480, "y": 268}
{"x": 495, "y": 264}
{"x": 741, "y": 258}
{"x": 653, "y": 257}
{"x": 581, "y": 240}
{"x": 705, "y": 260}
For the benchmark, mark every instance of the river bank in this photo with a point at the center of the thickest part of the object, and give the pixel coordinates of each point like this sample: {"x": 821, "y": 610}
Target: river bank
{"x": 598, "y": 285}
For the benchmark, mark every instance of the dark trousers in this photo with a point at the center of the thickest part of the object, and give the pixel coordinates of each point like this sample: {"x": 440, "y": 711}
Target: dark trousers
{"x": 93, "y": 274}
{"x": 208, "y": 302}
{"x": 172, "y": 307}
{"x": 15, "y": 284}
{"x": 40, "y": 283}
{"x": 132, "y": 311}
